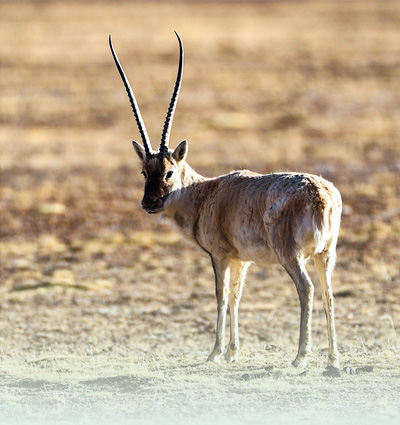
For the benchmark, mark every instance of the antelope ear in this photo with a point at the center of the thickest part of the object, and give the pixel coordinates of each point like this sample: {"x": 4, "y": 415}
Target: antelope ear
{"x": 181, "y": 151}
{"x": 140, "y": 152}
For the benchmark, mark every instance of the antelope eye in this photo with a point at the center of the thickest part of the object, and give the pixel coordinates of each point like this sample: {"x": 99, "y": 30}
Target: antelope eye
{"x": 144, "y": 174}
{"x": 169, "y": 175}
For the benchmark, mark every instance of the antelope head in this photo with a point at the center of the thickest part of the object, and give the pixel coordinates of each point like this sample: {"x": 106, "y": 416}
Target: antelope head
{"x": 162, "y": 170}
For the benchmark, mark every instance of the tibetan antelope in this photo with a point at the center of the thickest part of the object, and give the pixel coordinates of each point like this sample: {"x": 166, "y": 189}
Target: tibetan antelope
{"x": 244, "y": 217}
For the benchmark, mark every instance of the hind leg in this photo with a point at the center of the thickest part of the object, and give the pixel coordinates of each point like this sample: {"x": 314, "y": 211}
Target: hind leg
{"x": 305, "y": 289}
{"x": 324, "y": 263}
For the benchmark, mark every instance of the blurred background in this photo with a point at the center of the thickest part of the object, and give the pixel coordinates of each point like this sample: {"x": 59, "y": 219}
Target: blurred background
{"x": 269, "y": 86}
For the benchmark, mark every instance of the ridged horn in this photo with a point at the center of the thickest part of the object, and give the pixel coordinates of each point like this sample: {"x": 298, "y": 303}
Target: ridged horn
{"x": 174, "y": 99}
{"x": 135, "y": 107}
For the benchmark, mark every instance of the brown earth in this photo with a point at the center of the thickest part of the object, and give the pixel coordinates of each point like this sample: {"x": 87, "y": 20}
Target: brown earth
{"x": 107, "y": 314}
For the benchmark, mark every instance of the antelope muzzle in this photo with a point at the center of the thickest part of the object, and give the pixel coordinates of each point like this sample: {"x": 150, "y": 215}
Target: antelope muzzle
{"x": 153, "y": 204}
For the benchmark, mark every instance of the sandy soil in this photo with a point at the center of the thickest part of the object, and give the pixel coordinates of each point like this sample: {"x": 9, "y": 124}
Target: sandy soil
{"x": 107, "y": 315}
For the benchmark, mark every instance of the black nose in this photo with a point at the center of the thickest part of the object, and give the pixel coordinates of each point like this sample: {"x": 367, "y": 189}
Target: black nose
{"x": 150, "y": 201}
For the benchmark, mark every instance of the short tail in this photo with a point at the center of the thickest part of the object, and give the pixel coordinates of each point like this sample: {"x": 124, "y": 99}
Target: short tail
{"x": 326, "y": 222}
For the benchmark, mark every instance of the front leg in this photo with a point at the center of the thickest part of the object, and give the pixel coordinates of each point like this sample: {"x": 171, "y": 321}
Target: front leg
{"x": 238, "y": 274}
{"x": 222, "y": 275}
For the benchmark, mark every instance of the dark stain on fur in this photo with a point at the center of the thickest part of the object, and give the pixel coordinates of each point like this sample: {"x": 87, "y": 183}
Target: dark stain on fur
{"x": 180, "y": 220}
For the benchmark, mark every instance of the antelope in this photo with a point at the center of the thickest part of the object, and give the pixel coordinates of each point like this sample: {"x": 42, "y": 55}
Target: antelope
{"x": 244, "y": 217}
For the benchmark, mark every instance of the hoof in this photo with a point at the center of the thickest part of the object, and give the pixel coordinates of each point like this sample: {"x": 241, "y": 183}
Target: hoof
{"x": 214, "y": 357}
{"x": 231, "y": 357}
{"x": 333, "y": 361}
{"x": 295, "y": 363}
{"x": 213, "y": 360}
{"x": 299, "y": 362}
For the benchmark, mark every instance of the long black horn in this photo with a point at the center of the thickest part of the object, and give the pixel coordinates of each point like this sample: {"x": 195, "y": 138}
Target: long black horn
{"x": 134, "y": 104}
{"x": 174, "y": 99}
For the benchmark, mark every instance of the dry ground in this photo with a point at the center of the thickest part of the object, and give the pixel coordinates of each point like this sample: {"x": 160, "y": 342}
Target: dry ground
{"x": 106, "y": 314}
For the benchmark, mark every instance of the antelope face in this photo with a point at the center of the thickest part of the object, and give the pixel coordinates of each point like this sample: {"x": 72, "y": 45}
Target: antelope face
{"x": 162, "y": 173}
{"x": 162, "y": 169}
